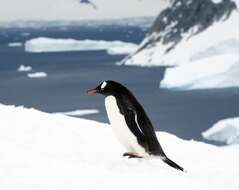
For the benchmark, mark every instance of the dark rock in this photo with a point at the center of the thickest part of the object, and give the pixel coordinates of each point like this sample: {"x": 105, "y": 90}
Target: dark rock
{"x": 87, "y": 2}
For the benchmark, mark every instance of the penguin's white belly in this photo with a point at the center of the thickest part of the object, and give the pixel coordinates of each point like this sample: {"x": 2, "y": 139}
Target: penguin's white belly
{"x": 120, "y": 128}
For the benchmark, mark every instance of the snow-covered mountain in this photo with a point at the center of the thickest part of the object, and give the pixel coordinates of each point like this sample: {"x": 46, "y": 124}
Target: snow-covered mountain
{"x": 68, "y": 10}
{"x": 182, "y": 20}
{"x": 199, "y": 35}
{"x": 54, "y": 151}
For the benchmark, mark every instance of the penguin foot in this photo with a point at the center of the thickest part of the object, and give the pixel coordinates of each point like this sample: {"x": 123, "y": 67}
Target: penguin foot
{"x": 131, "y": 155}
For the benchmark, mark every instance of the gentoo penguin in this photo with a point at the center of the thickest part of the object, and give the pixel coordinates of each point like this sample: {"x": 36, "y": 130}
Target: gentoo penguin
{"x": 130, "y": 123}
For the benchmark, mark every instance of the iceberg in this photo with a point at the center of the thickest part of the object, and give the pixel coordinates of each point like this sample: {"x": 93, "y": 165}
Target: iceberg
{"x": 54, "y": 151}
{"x": 37, "y": 75}
{"x": 220, "y": 71}
{"x": 207, "y": 60}
{"x": 23, "y": 68}
{"x": 226, "y": 131}
{"x": 42, "y": 44}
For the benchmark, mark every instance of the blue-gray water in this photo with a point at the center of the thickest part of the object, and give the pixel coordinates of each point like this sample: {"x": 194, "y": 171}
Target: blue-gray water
{"x": 70, "y": 74}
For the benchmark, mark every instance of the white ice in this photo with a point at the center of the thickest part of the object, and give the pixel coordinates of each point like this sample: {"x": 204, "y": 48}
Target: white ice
{"x": 220, "y": 71}
{"x": 24, "y": 68}
{"x": 80, "y": 112}
{"x": 37, "y": 75}
{"x": 226, "y": 131}
{"x": 42, "y": 44}
{"x": 216, "y": 1}
{"x": 15, "y": 44}
{"x": 53, "y": 151}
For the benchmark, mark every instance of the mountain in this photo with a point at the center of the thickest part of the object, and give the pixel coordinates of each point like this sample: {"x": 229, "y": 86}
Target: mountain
{"x": 182, "y": 19}
{"x": 200, "y": 37}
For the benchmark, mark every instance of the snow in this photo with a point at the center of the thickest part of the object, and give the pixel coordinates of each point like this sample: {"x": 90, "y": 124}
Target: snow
{"x": 80, "y": 112}
{"x": 221, "y": 37}
{"x": 209, "y": 59}
{"x": 54, "y": 151}
{"x": 37, "y": 75}
{"x": 237, "y": 3}
{"x": 226, "y": 131}
{"x": 15, "y": 44}
{"x": 216, "y": 1}
{"x": 43, "y": 44}
{"x": 23, "y": 68}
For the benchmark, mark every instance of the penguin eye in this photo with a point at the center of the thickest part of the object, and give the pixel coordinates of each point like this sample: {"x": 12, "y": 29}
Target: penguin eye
{"x": 103, "y": 85}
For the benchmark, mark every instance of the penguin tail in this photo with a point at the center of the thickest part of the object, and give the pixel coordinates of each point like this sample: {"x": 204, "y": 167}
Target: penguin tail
{"x": 172, "y": 163}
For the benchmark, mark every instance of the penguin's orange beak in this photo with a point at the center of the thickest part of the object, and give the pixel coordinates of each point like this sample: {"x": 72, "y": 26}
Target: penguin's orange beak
{"x": 91, "y": 91}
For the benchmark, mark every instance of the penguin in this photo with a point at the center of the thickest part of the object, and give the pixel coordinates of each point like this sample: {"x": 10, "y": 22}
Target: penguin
{"x": 130, "y": 123}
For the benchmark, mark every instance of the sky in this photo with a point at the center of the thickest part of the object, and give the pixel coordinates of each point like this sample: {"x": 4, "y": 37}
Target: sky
{"x": 12, "y": 10}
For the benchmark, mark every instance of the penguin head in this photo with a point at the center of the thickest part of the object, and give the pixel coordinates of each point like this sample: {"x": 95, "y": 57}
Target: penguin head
{"x": 106, "y": 88}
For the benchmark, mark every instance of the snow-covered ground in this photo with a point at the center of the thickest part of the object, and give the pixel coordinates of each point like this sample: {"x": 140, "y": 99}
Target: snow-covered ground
{"x": 37, "y": 75}
{"x": 43, "y": 44}
{"x": 226, "y": 131}
{"x": 53, "y": 151}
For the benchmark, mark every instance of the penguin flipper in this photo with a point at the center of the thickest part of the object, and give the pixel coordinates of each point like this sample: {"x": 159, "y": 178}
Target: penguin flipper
{"x": 143, "y": 131}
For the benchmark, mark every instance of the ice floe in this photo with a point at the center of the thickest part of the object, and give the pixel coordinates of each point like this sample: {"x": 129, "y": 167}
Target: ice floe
{"x": 24, "y": 68}
{"x": 225, "y": 131}
{"x": 42, "y": 44}
{"x": 37, "y": 75}
{"x": 15, "y": 44}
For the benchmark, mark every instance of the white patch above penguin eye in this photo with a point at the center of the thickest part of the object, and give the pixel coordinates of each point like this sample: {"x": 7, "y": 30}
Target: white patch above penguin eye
{"x": 103, "y": 85}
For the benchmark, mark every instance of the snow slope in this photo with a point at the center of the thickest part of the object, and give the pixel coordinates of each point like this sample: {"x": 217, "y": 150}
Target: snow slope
{"x": 42, "y": 44}
{"x": 226, "y": 131}
{"x": 54, "y": 151}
